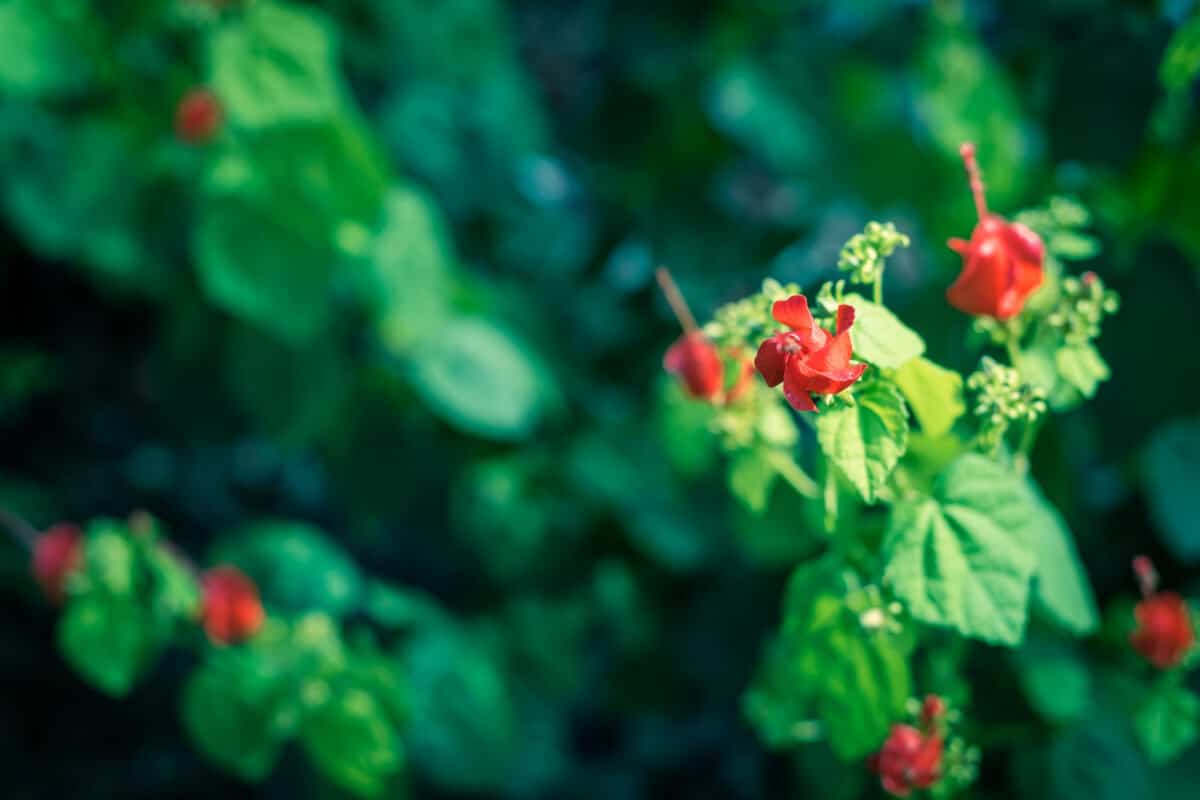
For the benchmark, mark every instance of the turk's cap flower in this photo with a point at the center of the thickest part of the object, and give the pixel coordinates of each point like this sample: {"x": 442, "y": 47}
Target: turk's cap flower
{"x": 1002, "y": 261}
{"x": 908, "y": 760}
{"x": 231, "y": 611}
{"x": 807, "y": 359}
{"x": 56, "y": 554}
{"x": 198, "y": 116}
{"x": 1165, "y": 633}
{"x": 695, "y": 361}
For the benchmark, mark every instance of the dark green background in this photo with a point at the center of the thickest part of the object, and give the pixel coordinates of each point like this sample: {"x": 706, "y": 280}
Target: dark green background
{"x": 571, "y": 148}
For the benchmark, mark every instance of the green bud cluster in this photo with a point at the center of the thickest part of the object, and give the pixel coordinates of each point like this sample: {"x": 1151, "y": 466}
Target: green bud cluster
{"x": 960, "y": 766}
{"x": 864, "y": 254}
{"x": 1082, "y": 305}
{"x": 746, "y": 322}
{"x": 1001, "y": 398}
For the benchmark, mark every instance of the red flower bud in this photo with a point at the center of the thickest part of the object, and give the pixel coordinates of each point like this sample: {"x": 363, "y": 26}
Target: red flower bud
{"x": 807, "y": 359}
{"x": 908, "y": 760}
{"x": 57, "y": 553}
{"x": 1164, "y": 633}
{"x": 696, "y": 362}
{"x": 1002, "y": 262}
{"x": 933, "y": 708}
{"x": 232, "y": 611}
{"x": 198, "y": 116}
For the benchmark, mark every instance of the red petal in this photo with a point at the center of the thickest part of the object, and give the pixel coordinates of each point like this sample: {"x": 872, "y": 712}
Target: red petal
{"x": 770, "y": 361}
{"x": 983, "y": 281}
{"x": 960, "y": 246}
{"x": 845, "y": 317}
{"x": 796, "y": 390}
{"x": 794, "y": 313}
{"x": 698, "y": 364}
{"x": 1024, "y": 243}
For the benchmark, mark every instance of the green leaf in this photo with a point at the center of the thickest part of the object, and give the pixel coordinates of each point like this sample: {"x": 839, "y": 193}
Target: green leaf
{"x": 351, "y": 741}
{"x": 292, "y": 392}
{"x": 109, "y": 640}
{"x": 866, "y": 437}
{"x": 463, "y": 731}
{"x": 934, "y": 393}
{"x": 1054, "y": 676}
{"x": 280, "y": 214}
{"x": 245, "y": 702}
{"x": 1170, "y": 475}
{"x": 1168, "y": 722}
{"x": 297, "y": 568}
{"x": 856, "y": 679}
{"x": 1081, "y": 366}
{"x": 413, "y": 261}
{"x": 751, "y": 476}
{"x": 477, "y": 378}
{"x": 961, "y": 558}
{"x": 1061, "y": 592}
{"x": 233, "y": 727}
{"x": 1096, "y": 760}
{"x": 75, "y": 189}
{"x": 38, "y": 52}
{"x": 273, "y": 64}
{"x": 879, "y": 337}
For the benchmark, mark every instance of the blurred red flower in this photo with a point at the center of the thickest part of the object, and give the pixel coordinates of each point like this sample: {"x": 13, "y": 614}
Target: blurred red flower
{"x": 198, "y": 116}
{"x": 697, "y": 364}
{"x": 232, "y": 611}
{"x": 56, "y": 553}
{"x": 1164, "y": 633}
{"x": 807, "y": 359}
{"x": 908, "y": 760}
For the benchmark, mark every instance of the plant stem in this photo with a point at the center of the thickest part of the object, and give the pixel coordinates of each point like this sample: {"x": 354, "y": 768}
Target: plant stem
{"x": 21, "y": 531}
{"x": 794, "y": 474}
{"x": 879, "y": 287}
{"x": 831, "y": 499}
{"x": 1028, "y": 438}
{"x": 675, "y": 299}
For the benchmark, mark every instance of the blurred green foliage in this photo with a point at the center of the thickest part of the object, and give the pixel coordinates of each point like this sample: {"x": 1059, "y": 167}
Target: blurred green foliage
{"x": 390, "y": 342}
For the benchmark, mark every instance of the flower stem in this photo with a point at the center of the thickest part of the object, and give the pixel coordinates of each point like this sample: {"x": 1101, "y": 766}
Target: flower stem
{"x": 21, "y": 531}
{"x": 967, "y": 151}
{"x": 1028, "y": 438}
{"x": 879, "y": 287}
{"x": 831, "y": 499}
{"x": 675, "y": 299}
{"x": 796, "y": 477}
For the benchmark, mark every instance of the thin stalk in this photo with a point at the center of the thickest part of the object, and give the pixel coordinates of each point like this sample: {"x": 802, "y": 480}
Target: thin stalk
{"x": 878, "y": 294}
{"x": 675, "y": 299}
{"x": 967, "y": 151}
{"x": 21, "y": 531}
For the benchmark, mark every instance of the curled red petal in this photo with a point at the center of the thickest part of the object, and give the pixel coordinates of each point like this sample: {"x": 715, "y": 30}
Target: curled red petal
{"x": 983, "y": 281}
{"x": 796, "y": 389}
{"x": 1024, "y": 243}
{"x": 794, "y": 313}
{"x": 960, "y": 246}
{"x": 845, "y": 318}
{"x": 770, "y": 360}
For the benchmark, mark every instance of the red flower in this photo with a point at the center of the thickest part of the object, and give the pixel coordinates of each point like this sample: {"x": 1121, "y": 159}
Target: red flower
{"x": 1002, "y": 263}
{"x": 232, "y": 611}
{"x": 198, "y": 116}
{"x": 807, "y": 359}
{"x": 1164, "y": 633}
{"x": 696, "y": 362}
{"x": 56, "y": 554}
{"x": 908, "y": 760}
